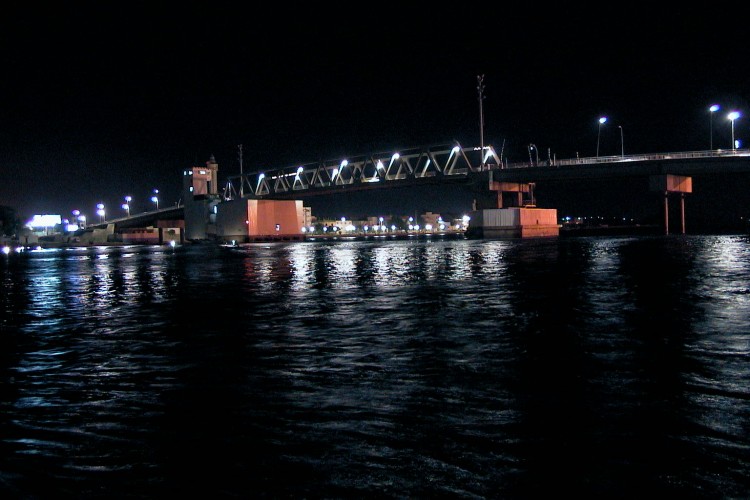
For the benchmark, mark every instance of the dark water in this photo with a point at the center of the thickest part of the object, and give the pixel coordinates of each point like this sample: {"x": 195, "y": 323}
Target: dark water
{"x": 583, "y": 367}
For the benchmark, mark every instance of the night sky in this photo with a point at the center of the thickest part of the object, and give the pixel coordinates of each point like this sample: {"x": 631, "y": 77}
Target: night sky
{"x": 102, "y": 100}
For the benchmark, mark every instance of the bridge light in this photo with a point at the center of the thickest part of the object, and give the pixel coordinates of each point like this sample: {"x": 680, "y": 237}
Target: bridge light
{"x": 732, "y": 117}
{"x": 334, "y": 173}
{"x": 380, "y": 164}
{"x": 713, "y": 109}
{"x": 395, "y": 156}
{"x": 344, "y": 163}
{"x": 602, "y": 120}
{"x": 300, "y": 170}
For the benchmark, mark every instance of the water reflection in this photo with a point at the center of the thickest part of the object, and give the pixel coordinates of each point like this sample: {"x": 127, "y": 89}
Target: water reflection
{"x": 604, "y": 366}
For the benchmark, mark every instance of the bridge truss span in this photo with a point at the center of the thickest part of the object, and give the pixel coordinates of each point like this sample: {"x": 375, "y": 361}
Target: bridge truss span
{"x": 365, "y": 171}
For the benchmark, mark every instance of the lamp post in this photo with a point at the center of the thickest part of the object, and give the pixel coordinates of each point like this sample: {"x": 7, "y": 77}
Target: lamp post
{"x": 533, "y": 146}
{"x": 126, "y": 205}
{"x": 622, "y": 143}
{"x": 732, "y": 117}
{"x": 76, "y": 216}
{"x": 100, "y": 211}
{"x": 599, "y": 134}
{"x": 155, "y": 198}
{"x": 713, "y": 109}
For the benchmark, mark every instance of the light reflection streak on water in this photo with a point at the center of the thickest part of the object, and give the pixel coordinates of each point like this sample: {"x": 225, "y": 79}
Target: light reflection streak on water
{"x": 301, "y": 265}
{"x": 723, "y": 373}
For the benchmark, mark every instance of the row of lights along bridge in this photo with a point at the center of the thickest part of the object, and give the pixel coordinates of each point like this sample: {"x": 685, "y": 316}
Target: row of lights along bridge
{"x": 126, "y": 205}
{"x": 80, "y": 219}
{"x": 732, "y": 116}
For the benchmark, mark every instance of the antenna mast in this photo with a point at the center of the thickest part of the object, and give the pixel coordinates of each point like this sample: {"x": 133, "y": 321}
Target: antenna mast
{"x": 242, "y": 180}
{"x": 480, "y": 88}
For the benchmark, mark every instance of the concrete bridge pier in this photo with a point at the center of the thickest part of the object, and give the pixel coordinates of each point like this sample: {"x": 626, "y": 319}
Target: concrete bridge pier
{"x": 667, "y": 184}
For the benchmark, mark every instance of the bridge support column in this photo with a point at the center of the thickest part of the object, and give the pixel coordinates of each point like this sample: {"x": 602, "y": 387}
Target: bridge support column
{"x": 682, "y": 211}
{"x": 669, "y": 183}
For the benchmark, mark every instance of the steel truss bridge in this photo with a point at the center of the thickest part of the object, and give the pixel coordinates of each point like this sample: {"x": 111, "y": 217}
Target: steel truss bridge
{"x": 436, "y": 163}
{"x": 455, "y": 163}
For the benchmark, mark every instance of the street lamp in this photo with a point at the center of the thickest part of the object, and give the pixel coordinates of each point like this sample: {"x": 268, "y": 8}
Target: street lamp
{"x": 100, "y": 211}
{"x": 622, "y": 143}
{"x": 155, "y": 198}
{"x": 126, "y": 205}
{"x": 732, "y": 117}
{"x": 713, "y": 109}
{"x": 601, "y": 121}
{"x": 536, "y": 150}
{"x": 76, "y": 216}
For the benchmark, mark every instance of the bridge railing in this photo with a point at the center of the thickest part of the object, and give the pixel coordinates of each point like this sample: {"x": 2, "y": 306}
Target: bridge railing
{"x": 680, "y": 155}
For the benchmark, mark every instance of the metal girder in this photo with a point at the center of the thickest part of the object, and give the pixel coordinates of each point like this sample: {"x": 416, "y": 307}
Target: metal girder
{"x": 417, "y": 163}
